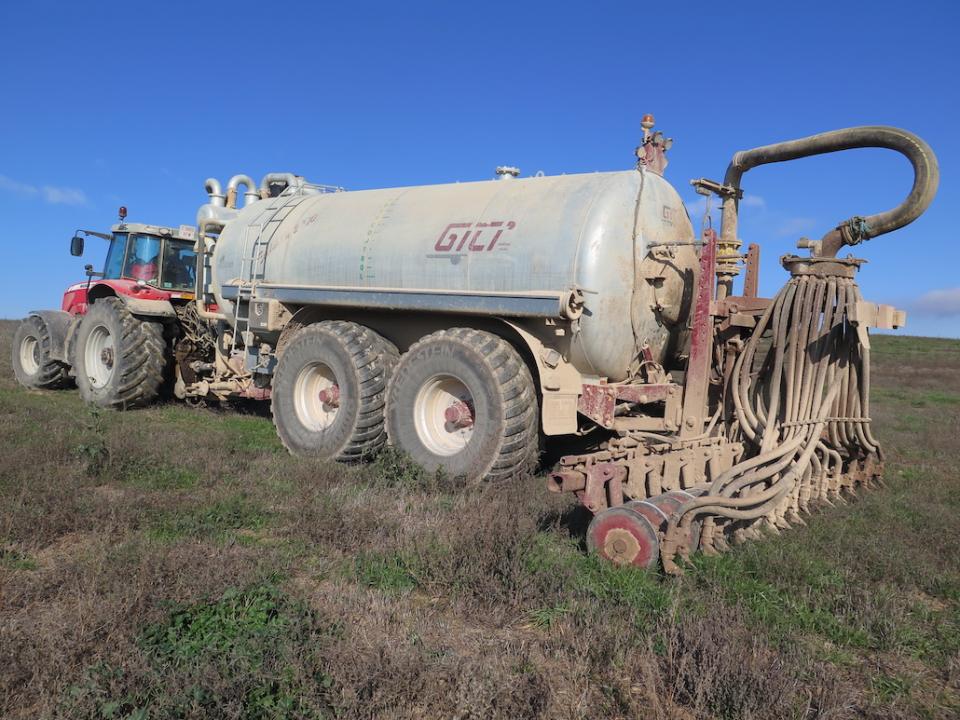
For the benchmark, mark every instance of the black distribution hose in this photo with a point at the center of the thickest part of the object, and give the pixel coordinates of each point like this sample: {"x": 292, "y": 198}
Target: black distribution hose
{"x": 926, "y": 178}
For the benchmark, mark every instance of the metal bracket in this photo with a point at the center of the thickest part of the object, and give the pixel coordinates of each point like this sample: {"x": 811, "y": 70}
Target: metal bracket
{"x": 702, "y": 186}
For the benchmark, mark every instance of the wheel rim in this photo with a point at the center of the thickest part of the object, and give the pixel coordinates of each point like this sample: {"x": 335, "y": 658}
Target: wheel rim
{"x": 99, "y": 356}
{"x": 443, "y": 414}
{"x": 30, "y": 355}
{"x": 316, "y": 397}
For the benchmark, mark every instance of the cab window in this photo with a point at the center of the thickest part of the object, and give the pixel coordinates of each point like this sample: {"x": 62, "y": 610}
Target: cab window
{"x": 113, "y": 267}
{"x": 179, "y": 266}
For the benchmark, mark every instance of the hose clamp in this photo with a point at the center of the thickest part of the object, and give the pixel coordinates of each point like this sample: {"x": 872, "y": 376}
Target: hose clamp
{"x": 855, "y": 230}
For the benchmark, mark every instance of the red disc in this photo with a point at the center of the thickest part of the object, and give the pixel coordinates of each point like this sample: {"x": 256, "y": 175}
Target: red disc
{"x": 672, "y": 501}
{"x": 624, "y": 537}
{"x": 657, "y": 517}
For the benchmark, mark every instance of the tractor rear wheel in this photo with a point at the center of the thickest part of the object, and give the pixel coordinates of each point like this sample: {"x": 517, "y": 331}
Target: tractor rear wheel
{"x": 32, "y": 364}
{"x": 118, "y": 359}
{"x": 463, "y": 401}
{"x": 328, "y": 390}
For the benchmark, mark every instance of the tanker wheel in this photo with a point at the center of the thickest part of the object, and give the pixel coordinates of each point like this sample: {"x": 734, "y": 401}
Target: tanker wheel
{"x": 118, "y": 359}
{"x": 328, "y": 390}
{"x": 463, "y": 401}
{"x": 32, "y": 364}
{"x": 624, "y": 537}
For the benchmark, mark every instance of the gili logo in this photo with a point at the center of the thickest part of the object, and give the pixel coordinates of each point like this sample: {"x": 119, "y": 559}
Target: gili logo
{"x": 474, "y": 237}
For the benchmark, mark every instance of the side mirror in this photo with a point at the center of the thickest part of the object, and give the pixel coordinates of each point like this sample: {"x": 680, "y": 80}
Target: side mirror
{"x": 76, "y": 246}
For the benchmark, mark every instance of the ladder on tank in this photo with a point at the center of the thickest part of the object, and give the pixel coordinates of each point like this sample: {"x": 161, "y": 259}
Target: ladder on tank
{"x": 253, "y": 262}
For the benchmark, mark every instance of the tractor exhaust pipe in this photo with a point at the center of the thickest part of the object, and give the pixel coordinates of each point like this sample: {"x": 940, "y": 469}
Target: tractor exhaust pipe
{"x": 926, "y": 178}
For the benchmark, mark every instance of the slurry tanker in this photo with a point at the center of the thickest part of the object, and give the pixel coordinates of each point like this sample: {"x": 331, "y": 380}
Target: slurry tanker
{"x": 465, "y": 323}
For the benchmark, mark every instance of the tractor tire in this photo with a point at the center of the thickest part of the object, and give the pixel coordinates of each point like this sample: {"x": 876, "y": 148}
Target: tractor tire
{"x": 32, "y": 364}
{"x": 329, "y": 390}
{"x": 463, "y": 401}
{"x": 118, "y": 359}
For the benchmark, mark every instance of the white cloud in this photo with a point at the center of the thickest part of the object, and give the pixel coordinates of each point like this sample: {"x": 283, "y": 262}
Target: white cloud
{"x": 938, "y": 303}
{"x": 697, "y": 207}
{"x": 796, "y": 226}
{"x": 64, "y": 195}
{"x": 11, "y": 185}
{"x": 51, "y": 194}
{"x": 753, "y": 201}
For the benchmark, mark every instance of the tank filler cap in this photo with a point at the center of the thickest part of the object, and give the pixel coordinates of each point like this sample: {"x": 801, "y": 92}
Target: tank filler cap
{"x": 506, "y": 172}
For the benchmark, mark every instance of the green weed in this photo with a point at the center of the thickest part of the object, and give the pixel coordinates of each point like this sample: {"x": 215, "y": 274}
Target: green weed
{"x": 547, "y": 617}
{"x": 890, "y": 687}
{"x": 206, "y": 656}
{"x": 250, "y": 435}
{"x": 219, "y": 521}
{"x": 389, "y": 573}
{"x": 93, "y": 449}
{"x": 16, "y": 560}
{"x": 155, "y": 475}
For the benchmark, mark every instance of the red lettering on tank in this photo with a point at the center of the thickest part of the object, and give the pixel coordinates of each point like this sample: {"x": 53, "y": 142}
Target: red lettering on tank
{"x": 448, "y": 237}
{"x": 456, "y": 236}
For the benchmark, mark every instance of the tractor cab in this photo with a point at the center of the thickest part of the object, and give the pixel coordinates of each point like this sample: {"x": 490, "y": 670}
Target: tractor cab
{"x": 147, "y": 262}
{"x": 157, "y": 256}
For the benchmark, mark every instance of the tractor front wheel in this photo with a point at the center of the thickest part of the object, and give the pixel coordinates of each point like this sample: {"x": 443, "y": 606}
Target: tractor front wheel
{"x": 32, "y": 364}
{"x": 118, "y": 359}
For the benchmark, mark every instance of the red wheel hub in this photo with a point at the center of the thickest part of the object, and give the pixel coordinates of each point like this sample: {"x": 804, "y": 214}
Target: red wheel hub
{"x": 459, "y": 415}
{"x": 331, "y": 396}
{"x": 624, "y": 537}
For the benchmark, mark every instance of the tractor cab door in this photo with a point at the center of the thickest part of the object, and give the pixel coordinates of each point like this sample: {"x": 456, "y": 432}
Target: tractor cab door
{"x": 179, "y": 268}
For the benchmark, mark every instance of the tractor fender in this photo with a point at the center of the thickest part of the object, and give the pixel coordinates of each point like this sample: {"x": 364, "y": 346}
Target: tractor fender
{"x": 60, "y": 325}
{"x": 151, "y": 308}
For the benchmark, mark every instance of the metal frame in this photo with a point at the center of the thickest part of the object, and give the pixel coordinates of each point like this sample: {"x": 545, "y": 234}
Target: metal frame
{"x": 547, "y": 304}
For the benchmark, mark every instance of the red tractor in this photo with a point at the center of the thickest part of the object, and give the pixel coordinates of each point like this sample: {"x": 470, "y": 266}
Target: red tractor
{"x": 114, "y": 332}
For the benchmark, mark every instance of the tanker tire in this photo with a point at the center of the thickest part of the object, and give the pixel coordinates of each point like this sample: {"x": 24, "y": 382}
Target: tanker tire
{"x": 504, "y": 437}
{"x": 32, "y": 365}
{"x": 334, "y": 352}
{"x": 138, "y": 357}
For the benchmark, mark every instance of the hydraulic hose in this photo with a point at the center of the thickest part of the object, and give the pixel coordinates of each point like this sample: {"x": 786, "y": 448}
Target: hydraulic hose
{"x": 926, "y": 178}
{"x": 801, "y": 407}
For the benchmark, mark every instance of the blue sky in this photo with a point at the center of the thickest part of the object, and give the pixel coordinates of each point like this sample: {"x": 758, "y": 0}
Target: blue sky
{"x": 136, "y": 103}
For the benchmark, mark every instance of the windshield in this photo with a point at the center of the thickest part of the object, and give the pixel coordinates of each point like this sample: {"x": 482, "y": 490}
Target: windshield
{"x": 113, "y": 267}
{"x": 143, "y": 256}
{"x": 179, "y": 265}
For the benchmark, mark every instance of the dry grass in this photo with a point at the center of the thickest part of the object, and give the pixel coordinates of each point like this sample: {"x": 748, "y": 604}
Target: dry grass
{"x": 177, "y": 563}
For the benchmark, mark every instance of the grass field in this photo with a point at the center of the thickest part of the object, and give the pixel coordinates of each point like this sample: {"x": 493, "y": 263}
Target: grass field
{"x": 174, "y": 562}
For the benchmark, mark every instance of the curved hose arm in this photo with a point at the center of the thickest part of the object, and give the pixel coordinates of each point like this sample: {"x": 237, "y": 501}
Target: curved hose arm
{"x": 926, "y": 178}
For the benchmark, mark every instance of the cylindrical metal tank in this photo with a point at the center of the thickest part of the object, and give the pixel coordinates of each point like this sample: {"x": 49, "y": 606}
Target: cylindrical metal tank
{"x": 510, "y": 236}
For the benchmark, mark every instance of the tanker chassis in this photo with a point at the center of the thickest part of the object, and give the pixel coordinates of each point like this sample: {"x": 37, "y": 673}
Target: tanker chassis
{"x": 465, "y": 323}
